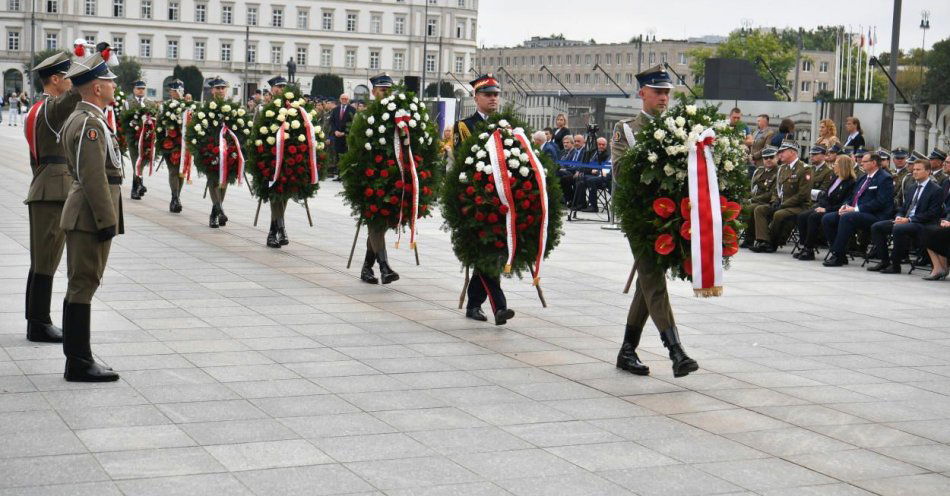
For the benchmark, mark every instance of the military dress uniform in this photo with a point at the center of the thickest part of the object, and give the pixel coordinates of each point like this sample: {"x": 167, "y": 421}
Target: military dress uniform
{"x": 175, "y": 179}
{"x": 763, "y": 182}
{"x": 900, "y": 176}
{"x": 92, "y": 216}
{"x": 138, "y": 183}
{"x": 937, "y": 156}
{"x": 790, "y": 197}
{"x": 47, "y": 193}
{"x": 651, "y": 297}
{"x": 216, "y": 190}
{"x": 277, "y": 235}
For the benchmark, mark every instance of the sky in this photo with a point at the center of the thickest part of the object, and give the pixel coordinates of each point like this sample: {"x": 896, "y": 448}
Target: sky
{"x": 509, "y": 22}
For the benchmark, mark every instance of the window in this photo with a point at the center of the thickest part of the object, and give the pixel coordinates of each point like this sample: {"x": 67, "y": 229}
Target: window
{"x": 276, "y": 54}
{"x": 430, "y": 62}
{"x": 587, "y": 59}
{"x": 823, "y": 67}
{"x": 199, "y": 50}
{"x": 327, "y": 22}
{"x": 118, "y": 45}
{"x": 652, "y": 58}
{"x": 682, "y": 59}
{"x": 376, "y": 23}
{"x": 225, "y": 52}
{"x": 351, "y": 21}
{"x": 118, "y": 8}
{"x": 399, "y": 61}
{"x": 399, "y": 25}
{"x": 52, "y": 6}
{"x": 374, "y": 59}
{"x": 350, "y": 59}
{"x": 90, "y": 7}
{"x": 432, "y": 27}
{"x": 201, "y": 12}
{"x": 326, "y": 57}
{"x": 302, "y": 55}
{"x": 145, "y": 48}
{"x": 252, "y": 53}
{"x": 13, "y": 40}
{"x": 586, "y": 78}
{"x": 471, "y": 32}
{"x": 619, "y": 60}
{"x": 608, "y": 59}
{"x": 806, "y": 65}
{"x": 172, "y": 11}
{"x": 558, "y": 60}
{"x": 277, "y": 17}
{"x": 52, "y": 41}
{"x": 462, "y": 3}
{"x": 172, "y": 49}
{"x": 822, "y": 86}
{"x": 227, "y": 15}
{"x": 303, "y": 19}
{"x": 680, "y": 81}
{"x": 252, "y": 16}
{"x": 806, "y": 86}
{"x": 459, "y": 64}
{"x": 460, "y": 29}
{"x": 13, "y": 5}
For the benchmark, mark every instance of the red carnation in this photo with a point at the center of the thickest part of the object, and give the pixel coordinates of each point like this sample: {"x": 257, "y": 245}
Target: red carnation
{"x": 477, "y": 176}
{"x": 479, "y": 216}
{"x": 172, "y": 133}
{"x": 496, "y": 201}
{"x": 503, "y": 209}
{"x": 168, "y": 144}
{"x": 426, "y": 190}
{"x": 299, "y": 170}
{"x": 489, "y": 187}
{"x": 384, "y": 211}
{"x": 497, "y": 229}
{"x": 470, "y": 190}
{"x": 393, "y": 199}
{"x": 378, "y": 158}
{"x": 530, "y": 219}
{"x": 380, "y": 193}
{"x": 400, "y": 183}
{"x": 367, "y": 214}
{"x": 519, "y": 194}
{"x": 273, "y": 150}
{"x": 260, "y": 148}
{"x": 492, "y": 218}
{"x": 499, "y": 244}
{"x": 370, "y": 172}
{"x": 302, "y": 148}
{"x": 373, "y": 208}
{"x": 526, "y": 185}
{"x": 479, "y": 200}
{"x": 384, "y": 173}
{"x": 522, "y": 227}
{"x": 664, "y": 207}
{"x": 526, "y": 204}
{"x": 368, "y": 192}
{"x": 664, "y": 244}
{"x": 390, "y": 162}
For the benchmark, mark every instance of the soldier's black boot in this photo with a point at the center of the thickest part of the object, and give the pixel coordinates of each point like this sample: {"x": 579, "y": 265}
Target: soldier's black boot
{"x": 682, "y": 363}
{"x": 282, "y": 233}
{"x": 627, "y": 359}
{"x": 213, "y": 220}
{"x": 806, "y": 255}
{"x": 502, "y": 316}
{"x": 29, "y": 284}
{"x": 175, "y": 205}
{"x": 386, "y": 273}
{"x": 39, "y": 327}
{"x": 476, "y": 313}
{"x": 142, "y": 188}
{"x": 272, "y": 236}
{"x": 367, "y": 275}
{"x": 136, "y": 182}
{"x": 222, "y": 219}
{"x": 80, "y": 366}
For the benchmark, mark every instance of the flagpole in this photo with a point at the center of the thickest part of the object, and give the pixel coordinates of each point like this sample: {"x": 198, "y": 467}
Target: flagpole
{"x": 847, "y": 84}
{"x": 857, "y": 66}
{"x": 837, "y": 61}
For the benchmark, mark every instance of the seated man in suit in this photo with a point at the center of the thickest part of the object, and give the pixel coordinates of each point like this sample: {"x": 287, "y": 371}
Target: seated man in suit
{"x": 549, "y": 147}
{"x": 590, "y": 181}
{"x": 873, "y": 201}
{"x": 922, "y": 207}
{"x": 570, "y": 154}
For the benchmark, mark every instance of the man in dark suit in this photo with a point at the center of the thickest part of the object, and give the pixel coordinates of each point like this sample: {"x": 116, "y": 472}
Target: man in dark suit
{"x": 922, "y": 206}
{"x": 591, "y": 180}
{"x": 550, "y": 147}
{"x": 873, "y": 201}
{"x": 340, "y": 121}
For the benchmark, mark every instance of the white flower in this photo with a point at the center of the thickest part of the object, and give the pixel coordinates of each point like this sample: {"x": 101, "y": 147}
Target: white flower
{"x": 669, "y": 170}
{"x": 258, "y": 142}
{"x": 413, "y": 107}
{"x": 402, "y": 96}
{"x": 367, "y": 146}
{"x": 197, "y": 127}
{"x": 480, "y": 154}
{"x": 278, "y": 102}
{"x": 301, "y": 138}
{"x": 386, "y": 116}
{"x": 680, "y": 121}
{"x": 413, "y": 123}
{"x": 463, "y": 177}
{"x": 503, "y": 123}
{"x": 318, "y": 129}
{"x": 369, "y": 132}
{"x": 370, "y": 120}
{"x": 652, "y": 157}
{"x": 201, "y": 115}
{"x": 690, "y": 110}
{"x": 194, "y": 142}
{"x": 475, "y": 148}
{"x": 241, "y": 112}
{"x": 670, "y": 123}
{"x": 274, "y": 128}
{"x": 698, "y": 128}
{"x": 469, "y": 160}
{"x": 416, "y": 116}
{"x": 292, "y": 112}
{"x": 422, "y": 140}
{"x": 263, "y": 129}
{"x": 240, "y": 122}
{"x": 680, "y": 133}
{"x": 295, "y": 125}
{"x": 483, "y": 136}
{"x": 719, "y": 125}
{"x": 289, "y": 95}
{"x": 681, "y": 175}
{"x": 425, "y": 117}
{"x": 214, "y": 123}
{"x": 480, "y": 165}
{"x": 509, "y": 142}
{"x": 391, "y": 107}
{"x": 225, "y": 108}
{"x": 269, "y": 114}
{"x": 246, "y": 131}
{"x": 204, "y": 122}
{"x": 728, "y": 166}
{"x": 659, "y": 134}
{"x": 415, "y": 100}
{"x": 270, "y": 140}
{"x": 524, "y": 171}
{"x": 382, "y": 129}
{"x": 514, "y": 163}
{"x": 382, "y": 141}
{"x": 492, "y": 126}
{"x": 507, "y": 154}
{"x": 385, "y": 101}
{"x": 212, "y": 105}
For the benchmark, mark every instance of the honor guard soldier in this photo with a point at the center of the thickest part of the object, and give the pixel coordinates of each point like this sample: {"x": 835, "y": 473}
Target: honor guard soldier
{"x": 886, "y": 157}
{"x": 376, "y": 241}
{"x": 219, "y": 89}
{"x": 790, "y": 197}
{"x": 651, "y": 298}
{"x": 92, "y": 215}
{"x": 277, "y": 236}
{"x": 176, "y": 91}
{"x": 47, "y": 193}
{"x": 482, "y": 286}
{"x": 899, "y": 157}
{"x": 937, "y": 156}
{"x": 138, "y": 100}
{"x": 822, "y": 173}
{"x": 763, "y": 182}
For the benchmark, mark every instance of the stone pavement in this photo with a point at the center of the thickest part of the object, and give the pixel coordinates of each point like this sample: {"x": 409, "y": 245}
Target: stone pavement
{"x": 247, "y": 370}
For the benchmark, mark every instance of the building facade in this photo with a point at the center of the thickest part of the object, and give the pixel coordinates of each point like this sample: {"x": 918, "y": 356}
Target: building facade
{"x": 354, "y": 39}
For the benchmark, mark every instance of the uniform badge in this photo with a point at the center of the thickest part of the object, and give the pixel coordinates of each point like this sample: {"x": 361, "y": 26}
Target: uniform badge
{"x": 92, "y": 134}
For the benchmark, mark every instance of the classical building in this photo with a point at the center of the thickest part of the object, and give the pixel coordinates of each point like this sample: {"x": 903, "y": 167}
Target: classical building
{"x": 350, "y": 38}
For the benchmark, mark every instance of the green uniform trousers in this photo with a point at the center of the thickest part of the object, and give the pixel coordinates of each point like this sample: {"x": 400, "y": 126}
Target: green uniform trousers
{"x": 86, "y": 259}
{"x": 175, "y": 181}
{"x": 774, "y": 227}
{"x": 217, "y": 192}
{"x": 376, "y": 242}
{"x": 46, "y": 237}
{"x": 650, "y": 299}
{"x": 277, "y": 209}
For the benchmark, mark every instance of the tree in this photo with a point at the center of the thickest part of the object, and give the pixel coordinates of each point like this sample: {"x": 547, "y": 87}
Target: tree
{"x": 446, "y": 90}
{"x": 127, "y": 71}
{"x": 822, "y": 38}
{"x": 192, "y": 77}
{"x": 937, "y": 87}
{"x": 327, "y": 86}
{"x": 37, "y": 58}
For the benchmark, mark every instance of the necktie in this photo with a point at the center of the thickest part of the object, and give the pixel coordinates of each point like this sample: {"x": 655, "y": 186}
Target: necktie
{"x": 913, "y": 201}
{"x": 860, "y": 192}
{"x": 342, "y": 111}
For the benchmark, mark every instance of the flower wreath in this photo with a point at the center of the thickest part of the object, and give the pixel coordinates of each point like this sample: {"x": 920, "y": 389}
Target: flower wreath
{"x": 216, "y": 134}
{"x": 112, "y": 118}
{"x": 139, "y": 126}
{"x": 392, "y": 168}
{"x": 172, "y": 119}
{"x": 502, "y": 200}
{"x": 287, "y": 152}
{"x": 652, "y": 199}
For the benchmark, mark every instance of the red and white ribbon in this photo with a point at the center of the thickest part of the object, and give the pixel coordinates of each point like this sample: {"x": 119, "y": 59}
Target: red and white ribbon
{"x": 110, "y": 118}
{"x": 499, "y": 165}
{"x": 402, "y": 141}
{"x": 223, "y": 170}
{"x": 29, "y": 129}
{"x": 185, "y": 162}
{"x": 279, "y": 155}
{"x": 148, "y": 123}
{"x": 540, "y": 176}
{"x": 705, "y": 216}
{"x": 311, "y": 146}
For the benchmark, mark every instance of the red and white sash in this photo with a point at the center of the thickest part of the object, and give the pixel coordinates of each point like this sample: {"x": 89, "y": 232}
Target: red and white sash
{"x": 29, "y": 128}
{"x": 402, "y": 141}
{"x": 705, "y": 216}
{"x": 186, "y": 161}
{"x": 223, "y": 170}
{"x": 148, "y": 123}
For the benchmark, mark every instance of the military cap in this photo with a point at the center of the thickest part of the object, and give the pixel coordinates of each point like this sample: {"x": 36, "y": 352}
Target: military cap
{"x": 899, "y": 152}
{"x": 769, "y": 152}
{"x": 835, "y": 148}
{"x": 89, "y": 69}
{"x": 885, "y": 154}
{"x": 860, "y": 151}
{"x": 816, "y": 149}
{"x": 486, "y": 83}
{"x": 56, "y": 64}
{"x": 937, "y": 154}
{"x": 788, "y": 145}
{"x": 217, "y": 82}
{"x": 849, "y": 150}
{"x": 655, "y": 77}
{"x": 381, "y": 81}
{"x": 277, "y": 81}
{"x": 139, "y": 84}
{"x": 176, "y": 84}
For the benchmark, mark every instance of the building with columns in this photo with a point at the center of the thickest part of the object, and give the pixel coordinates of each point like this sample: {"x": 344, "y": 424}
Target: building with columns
{"x": 350, "y": 38}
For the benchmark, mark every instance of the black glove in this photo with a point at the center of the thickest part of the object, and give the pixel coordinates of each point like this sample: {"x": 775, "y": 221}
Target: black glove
{"x": 106, "y": 234}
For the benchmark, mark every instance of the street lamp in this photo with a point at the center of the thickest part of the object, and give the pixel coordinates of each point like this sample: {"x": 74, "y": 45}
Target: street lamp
{"x": 924, "y": 26}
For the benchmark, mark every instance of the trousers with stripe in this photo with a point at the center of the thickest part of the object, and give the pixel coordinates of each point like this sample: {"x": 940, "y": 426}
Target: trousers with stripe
{"x": 483, "y": 287}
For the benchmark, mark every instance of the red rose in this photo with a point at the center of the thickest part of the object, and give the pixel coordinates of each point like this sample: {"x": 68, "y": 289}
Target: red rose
{"x": 400, "y": 183}
{"x": 489, "y": 187}
{"x": 526, "y": 204}
{"x": 492, "y": 218}
{"x": 479, "y": 216}
{"x": 390, "y": 162}
{"x": 368, "y": 214}
{"x": 299, "y": 170}
{"x": 378, "y": 158}
{"x": 380, "y": 193}
{"x": 530, "y": 219}
{"x": 477, "y": 176}
{"x": 519, "y": 194}
{"x": 496, "y": 201}
{"x": 526, "y": 185}
{"x": 302, "y": 148}
{"x": 426, "y": 190}
{"x": 260, "y": 148}
{"x": 373, "y": 208}
{"x": 730, "y": 249}
{"x": 684, "y": 207}
{"x": 664, "y": 207}
{"x": 479, "y": 200}
{"x": 503, "y": 209}
{"x": 168, "y": 144}
{"x": 384, "y": 173}
{"x": 685, "y": 230}
{"x": 522, "y": 227}
{"x": 497, "y": 229}
{"x": 292, "y": 149}
{"x": 729, "y": 236}
{"x": 393, "y": 199}
{"x": 370, "y": 172}
{"x": 470, "y": 190}
{"x": 172, "y": 133}
{"x": 664, "y": 244}
{"x": 499, "y": 244}
{"x": 384, "y": 211}
{"x": 368, "y": 192}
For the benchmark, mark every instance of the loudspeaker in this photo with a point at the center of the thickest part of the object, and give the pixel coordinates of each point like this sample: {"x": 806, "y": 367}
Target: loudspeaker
{"x": 413, "y": 84}
{"x": 734, "y": 79}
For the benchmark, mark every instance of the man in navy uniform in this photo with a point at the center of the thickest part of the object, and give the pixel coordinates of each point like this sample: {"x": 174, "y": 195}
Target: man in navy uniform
{"x": 873, "y": 201}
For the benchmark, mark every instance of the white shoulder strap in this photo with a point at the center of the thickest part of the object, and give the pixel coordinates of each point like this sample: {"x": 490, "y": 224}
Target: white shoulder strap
{"x": 629, "y": 134}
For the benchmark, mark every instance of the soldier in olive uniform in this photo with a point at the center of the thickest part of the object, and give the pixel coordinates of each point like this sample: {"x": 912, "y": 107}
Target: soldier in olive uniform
{"x": 138, "y": 100}
{"x": 822, "y": 172}
{"x": 47, "y": 193}
{"x": 763, "y": 182}
{"x": 886, "y": 157}
{"x": 277, "y": 236}
{"x": 901, "y": 173}
{"x": 791, "y": 196}
{"x": 92, "y": 215}
{"x": 176, "y": 91}
{"x": 651, "y": 298}
{"x": 376, "y": 241}
{"x": 937, "y": 156}
{"x": 219, "y": 89}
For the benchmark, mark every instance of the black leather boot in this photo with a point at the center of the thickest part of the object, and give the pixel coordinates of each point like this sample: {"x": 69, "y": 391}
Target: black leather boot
{"x": 806, "y": 255}
{"x": 175, "y": 205}
{"x": 367, "y": 275}
{"x": 682, "y": 363}
{"x": 386, "y": 273}
{"x": 136, "y": 182}
{"x": 502, "y": 316}
{"x": 627, "y": 359}
{"x": 29, "y": 284}
{"x": 272, "y": 236}
{"x": 222, "y": 219}
{"x": 142, "y": 188}
{"x": 80, "y": 366}
{"x": 476, "y": 313}
{"x": 213, "y": 222}
{"x": 282, "y": 233}
{"x": 39, "y": 327}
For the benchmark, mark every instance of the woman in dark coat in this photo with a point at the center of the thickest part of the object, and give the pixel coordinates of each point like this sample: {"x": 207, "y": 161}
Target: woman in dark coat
{"x": 829, "y": 200}
{"x": 560, "y": 131}
{"x": 786, "y": 131}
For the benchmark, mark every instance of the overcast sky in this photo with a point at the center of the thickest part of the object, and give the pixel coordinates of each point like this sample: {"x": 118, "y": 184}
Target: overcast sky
{"x": 509, "y": 22}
